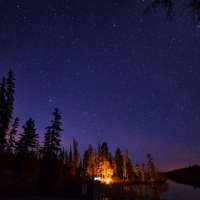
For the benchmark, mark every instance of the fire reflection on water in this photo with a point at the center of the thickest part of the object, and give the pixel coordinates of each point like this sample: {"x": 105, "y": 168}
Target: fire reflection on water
{"x": 131, "y": 191}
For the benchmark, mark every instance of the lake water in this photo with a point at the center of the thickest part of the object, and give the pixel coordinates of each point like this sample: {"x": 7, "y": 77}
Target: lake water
{"x": 182, "y": 192}
{"x": 167, "y": 191}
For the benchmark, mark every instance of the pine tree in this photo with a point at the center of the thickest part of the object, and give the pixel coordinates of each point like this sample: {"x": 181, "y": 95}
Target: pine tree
{"x": 52, "y": 138}
{"x": 151, "y": 167}
{"x": 66, "y": 160}
{"x": 70, "y": 155}
{"x": 99, "y": 161}
{"x": 104, "y": 151}
{"x": 89, "y": 162}
{"x": 96, "y": 164}
{"x": 137, "y": 171}
{"x": 61, "y": 158}
{"x": 6, "y": 107}
{"x": 127, "y": 165}
{"x": 27, "y": 143}
{"x": 3, "y": 123}
{"x": 118, "y": 163}
{"x": 11, "y": 135}
{"x": 143, "y": 173}
{"x": 106, "y": 169}
{"x": 50, "y": 164}
{"x": 10, "y": 95}
{"x": 76, "y": 159}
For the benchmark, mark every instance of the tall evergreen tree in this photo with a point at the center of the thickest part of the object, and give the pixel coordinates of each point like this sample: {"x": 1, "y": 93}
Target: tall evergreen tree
{"x": 3, "y": 125}
{"x": 50, "y": 162}
{"x": 151, "y": 167}
{"x": 89, "y": 162}
{"x": 99, "y": 160}
{"x": 76, "y": 159}
{"x": 118, "y": 163}
{"x": 10, "y": 90}
{"x": 61, "y": 160}
{"x": 137, "y": 171}
{"x": 106, "y": 169}
{"x": 52, "y": 137}
{"x": 70, "y": 155}
{"x": 96, "y": 164}
{"x": 104, "y": 151}
{"x": 6, "y": 106}
{"x": 66, "y": 160}
{"x": 127, "y": 165}
{"x": 11, "y": 135}
{"x": 142, "y": 173}
{"x": 28, "y": 140}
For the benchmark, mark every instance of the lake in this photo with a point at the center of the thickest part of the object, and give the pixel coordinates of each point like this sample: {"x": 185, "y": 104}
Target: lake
{"x": 165, "y": 191}
{"x": 182, "y": 192}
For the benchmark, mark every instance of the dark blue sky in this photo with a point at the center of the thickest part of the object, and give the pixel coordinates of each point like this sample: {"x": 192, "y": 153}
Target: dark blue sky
{"x": 117, "y": 75}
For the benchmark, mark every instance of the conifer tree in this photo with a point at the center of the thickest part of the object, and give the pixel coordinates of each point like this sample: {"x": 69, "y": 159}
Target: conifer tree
{"x": 89, "y": 162}
{"x": 76, "y": 159}
{"x": 106, "y": 169}
{"x": 3, "y": 125}
{"x": 127, "y": 165}
{"x": 61, "y": 158}
{"x": 104, "y": 151}
{"x": 38, "y": 155}
{"x": 96, "y": 164}
{"x": 137, "y": 171}
{"x": 99, "y": 159}
{"x": 6, "y": 107}
{"x": 151, "y": 167}
{"x": 27, "y": 143}
{"x": 49, "y": 152}
{"x": 10, "y": 95}
{"x": 143, "y": 173}
{"x": 11, "y": 135}
{"x": 52, "y": 137}
{"x": 70, "y": 155}
{"x": 118, "y": 163}
{"x": 66, "y": 160}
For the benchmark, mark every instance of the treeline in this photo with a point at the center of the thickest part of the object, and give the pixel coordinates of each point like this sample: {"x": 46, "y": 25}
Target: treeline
{"x": 188, "y": 175}
{"x": 49, "y": 167}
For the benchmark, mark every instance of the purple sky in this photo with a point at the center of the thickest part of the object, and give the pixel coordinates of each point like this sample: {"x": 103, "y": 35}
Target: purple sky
{"x": 117, "y": 75}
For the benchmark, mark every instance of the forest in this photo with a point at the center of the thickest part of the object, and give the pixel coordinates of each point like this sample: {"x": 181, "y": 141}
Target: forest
{"x": 188, "y": 176}
{"x": 26, "y": 166}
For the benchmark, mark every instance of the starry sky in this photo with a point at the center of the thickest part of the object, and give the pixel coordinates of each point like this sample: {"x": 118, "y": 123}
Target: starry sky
{"x": 116, "y": 75}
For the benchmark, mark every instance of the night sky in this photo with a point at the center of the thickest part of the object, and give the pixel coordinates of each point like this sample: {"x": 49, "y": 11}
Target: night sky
{"x": 117, "y": 75}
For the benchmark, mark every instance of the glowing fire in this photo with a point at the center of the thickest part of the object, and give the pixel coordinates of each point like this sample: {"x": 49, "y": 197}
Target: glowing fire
{"x": 108, "y": 180}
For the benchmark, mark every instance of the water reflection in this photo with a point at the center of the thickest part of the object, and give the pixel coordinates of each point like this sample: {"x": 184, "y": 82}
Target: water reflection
{"x": 179, "y": 191}
{"x": 132, "y": 191}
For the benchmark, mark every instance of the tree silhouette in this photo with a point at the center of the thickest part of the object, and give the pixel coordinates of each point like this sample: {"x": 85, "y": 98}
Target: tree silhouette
{"x": 89, "y": 162}
{"x": 27, "y": 143}
{"x": 52, "y": 137}
{"x": 6, "y": 107}
{"x": 118, "y": 163}
{"x": 142, "y": 173}
{"x": 104, "y": 159}
{"x": 3, "y": 124}
{"x": 191, "y": 9}
{"x": 151, "y": 167}
{"x": 10, "y": 95}
{"x": 11, "y": 135}
{"x": 127, "y": 165}
{"x": 76, "y": 159}
{"x": 137, "y": 171}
